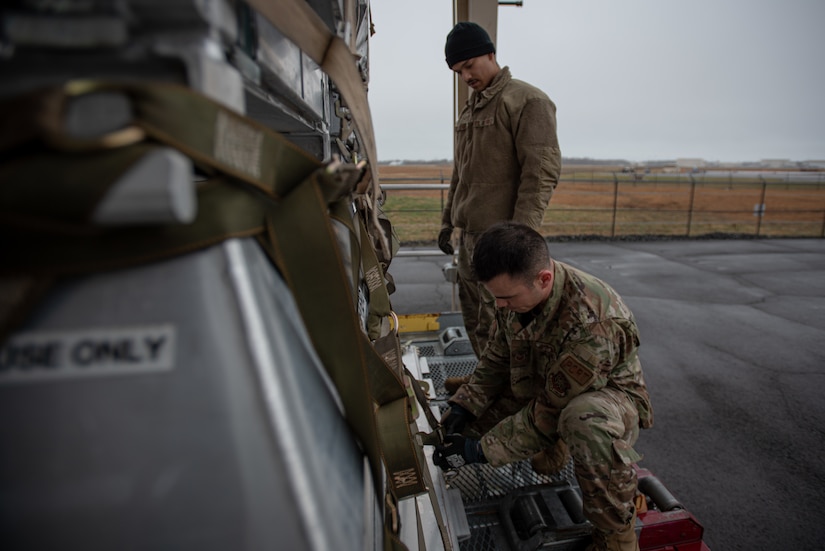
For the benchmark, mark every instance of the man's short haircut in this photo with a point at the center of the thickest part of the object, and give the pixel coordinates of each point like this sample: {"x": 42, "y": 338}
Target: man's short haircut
{"x": 510, "y": 248}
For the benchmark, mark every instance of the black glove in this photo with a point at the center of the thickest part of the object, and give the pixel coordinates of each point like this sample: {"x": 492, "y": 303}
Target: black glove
{"x": 457, "y": 451}
{"x": 455, "y": 419}
{"x": 444, "y": 240}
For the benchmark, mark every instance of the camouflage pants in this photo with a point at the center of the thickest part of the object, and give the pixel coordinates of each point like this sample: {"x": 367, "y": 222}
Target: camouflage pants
{"x": 600, "y": 429}
{"x": 477, "y": 305}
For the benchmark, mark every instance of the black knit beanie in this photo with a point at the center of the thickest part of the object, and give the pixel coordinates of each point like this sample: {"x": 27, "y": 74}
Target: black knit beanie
{"x": 465, "y": 41}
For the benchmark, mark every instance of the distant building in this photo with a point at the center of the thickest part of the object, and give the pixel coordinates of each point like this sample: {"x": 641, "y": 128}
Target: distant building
{"x": 777, "y": 163}
{"x": 689, "y": 165}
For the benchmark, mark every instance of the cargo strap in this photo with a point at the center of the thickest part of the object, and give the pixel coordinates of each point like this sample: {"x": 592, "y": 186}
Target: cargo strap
{"x": 380, "y": 308}
{"x": 213, "y": 136}
{"x": 389, "y": 347}
{"x": 379, "y": 304}
{"x": 313, "y": 263}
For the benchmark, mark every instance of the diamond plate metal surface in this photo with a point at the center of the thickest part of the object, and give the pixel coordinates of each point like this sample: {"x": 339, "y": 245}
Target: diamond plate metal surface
{"x": 484, "y": 489}
{"x": 481, "y": 482}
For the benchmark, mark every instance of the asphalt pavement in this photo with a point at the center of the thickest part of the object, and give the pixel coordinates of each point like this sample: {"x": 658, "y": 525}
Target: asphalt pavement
{"x": 733, "y": 351}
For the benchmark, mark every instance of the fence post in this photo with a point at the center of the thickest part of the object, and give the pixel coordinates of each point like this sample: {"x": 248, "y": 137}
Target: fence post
{"x": 690, "y": 206}
{"x": 615, "y": 204}
{"x": 441, "y": 173}
{"x": 761, "y": 213}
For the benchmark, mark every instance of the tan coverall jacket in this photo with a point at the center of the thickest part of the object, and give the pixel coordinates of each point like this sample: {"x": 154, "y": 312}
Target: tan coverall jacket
{"x": 507, "y": 159}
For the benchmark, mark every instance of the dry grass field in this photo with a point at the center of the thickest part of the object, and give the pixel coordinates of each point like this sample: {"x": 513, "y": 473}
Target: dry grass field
{"x": 602, "y": 201}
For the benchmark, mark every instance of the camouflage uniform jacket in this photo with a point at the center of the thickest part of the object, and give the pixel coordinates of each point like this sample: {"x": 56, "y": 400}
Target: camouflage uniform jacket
{"x": 506, "y": 159}
{"x": 582, "y": 339}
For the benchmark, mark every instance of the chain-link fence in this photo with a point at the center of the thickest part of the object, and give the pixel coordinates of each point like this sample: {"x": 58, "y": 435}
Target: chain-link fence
{"x": 616, "y": 205}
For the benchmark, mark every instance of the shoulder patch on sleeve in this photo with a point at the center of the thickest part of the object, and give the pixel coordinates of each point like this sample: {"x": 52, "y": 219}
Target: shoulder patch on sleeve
{"x": 577, "y": 370}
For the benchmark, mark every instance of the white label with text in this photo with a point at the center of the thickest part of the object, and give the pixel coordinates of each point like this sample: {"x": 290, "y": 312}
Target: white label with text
{"x": 48, "y": 355}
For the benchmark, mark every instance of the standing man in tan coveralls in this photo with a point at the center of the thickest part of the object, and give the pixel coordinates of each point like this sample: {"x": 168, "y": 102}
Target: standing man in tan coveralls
{"x": 562, "y": 365}
{"x": 506, "y": 162}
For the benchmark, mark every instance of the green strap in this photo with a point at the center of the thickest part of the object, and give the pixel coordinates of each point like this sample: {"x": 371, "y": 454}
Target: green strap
{"x": 384, "y": 385}
{"x": 341, "y": 212}
{"x": 380, "y": 308}
{"x": 312, "y": 263}
{"x": 389, "y": 346}
{"x": 58, "y": 245}
{"x": 379, "y": 305}
{"x": 212, "y": 135}
{"x": 215, "y": 136}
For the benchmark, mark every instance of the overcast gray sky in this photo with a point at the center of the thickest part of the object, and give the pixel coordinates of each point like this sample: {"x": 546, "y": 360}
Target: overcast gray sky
{"x": 722, "y": 80}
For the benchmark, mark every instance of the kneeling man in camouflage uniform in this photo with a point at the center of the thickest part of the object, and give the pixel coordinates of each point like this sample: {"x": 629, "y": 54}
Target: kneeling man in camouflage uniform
{"x": 562, "y": 366}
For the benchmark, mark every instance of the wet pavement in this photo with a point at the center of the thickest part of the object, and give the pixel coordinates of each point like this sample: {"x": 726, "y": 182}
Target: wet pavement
{"x": 733, "y": 350}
